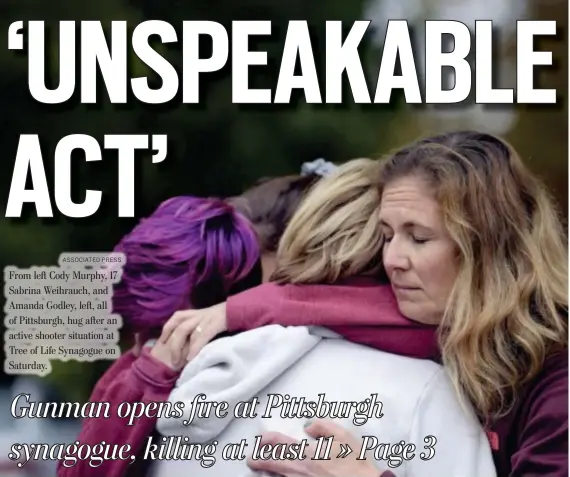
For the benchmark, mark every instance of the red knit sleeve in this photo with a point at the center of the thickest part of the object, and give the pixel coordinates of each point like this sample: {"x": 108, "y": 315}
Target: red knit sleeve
{"x": 130, "y": 379}
{"x": 362, "y": 311}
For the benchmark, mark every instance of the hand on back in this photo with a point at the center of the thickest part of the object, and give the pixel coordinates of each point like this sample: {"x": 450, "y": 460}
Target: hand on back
{"x": 186, "y": 333}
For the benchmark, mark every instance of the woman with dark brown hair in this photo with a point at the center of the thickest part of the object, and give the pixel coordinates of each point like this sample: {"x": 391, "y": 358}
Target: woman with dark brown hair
{"x": 269, "y": 205}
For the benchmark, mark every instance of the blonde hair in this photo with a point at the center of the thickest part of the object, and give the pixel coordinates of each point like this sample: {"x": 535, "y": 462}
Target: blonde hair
{"x": 335, "y": 232}
{"x": 508, "y": 308}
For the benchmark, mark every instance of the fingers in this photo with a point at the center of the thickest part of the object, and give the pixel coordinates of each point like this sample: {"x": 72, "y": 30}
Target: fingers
{"x": 274, "y": 438}
{"x": 285, "y": 468}
{"x": 280, "y": 467}
{"x": 179, "y": 342}
{"x": 173, "y": 323}
{"x": 184, "y": 352}
{"x": 201, "y": 325}
{"x": 326, "y": 428}
{"x": 210, "y": 326}
{"x": 201, "y": 337}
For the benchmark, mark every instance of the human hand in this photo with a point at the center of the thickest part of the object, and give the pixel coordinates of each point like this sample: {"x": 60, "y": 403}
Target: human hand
{"x": 174, "y": 351}
{"x": 201, "y": 325}
{"x": 333, "y": 467}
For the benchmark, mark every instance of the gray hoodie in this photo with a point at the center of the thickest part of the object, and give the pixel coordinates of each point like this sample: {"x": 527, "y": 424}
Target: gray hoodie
{"x": 293, "y": 374}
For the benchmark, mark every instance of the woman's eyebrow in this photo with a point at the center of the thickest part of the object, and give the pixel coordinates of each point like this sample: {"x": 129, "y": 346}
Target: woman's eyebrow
{"x": 408, "y": 225}
{"x": 418, "y": 226}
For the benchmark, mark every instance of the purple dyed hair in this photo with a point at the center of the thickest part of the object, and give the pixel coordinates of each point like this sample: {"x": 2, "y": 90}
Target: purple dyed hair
{"x": 190, "y": 253}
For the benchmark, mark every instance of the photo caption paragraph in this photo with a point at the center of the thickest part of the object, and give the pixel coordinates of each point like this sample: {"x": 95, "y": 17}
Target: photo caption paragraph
{"x": 61, "y": 313}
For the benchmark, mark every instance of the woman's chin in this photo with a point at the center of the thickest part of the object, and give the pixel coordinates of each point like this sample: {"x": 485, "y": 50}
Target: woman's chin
{"x": 415, "y": 312}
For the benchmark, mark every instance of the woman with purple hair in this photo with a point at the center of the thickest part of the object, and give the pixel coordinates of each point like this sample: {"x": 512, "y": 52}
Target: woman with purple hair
{"x": 190, "y": 253}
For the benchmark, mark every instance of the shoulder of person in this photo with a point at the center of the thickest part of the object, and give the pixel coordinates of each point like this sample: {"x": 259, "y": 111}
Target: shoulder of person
{"x": 449, "y": 438}
{"x": 548, "y": 390}
{"x": 539, "y": 421}
{"x": 421, "y": 380}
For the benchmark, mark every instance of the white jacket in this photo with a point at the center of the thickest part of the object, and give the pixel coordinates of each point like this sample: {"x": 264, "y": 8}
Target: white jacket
{"x": 416, "y": 396}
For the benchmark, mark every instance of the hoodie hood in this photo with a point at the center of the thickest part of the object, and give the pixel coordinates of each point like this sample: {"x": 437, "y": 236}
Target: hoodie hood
{"x": 234, "y": 370}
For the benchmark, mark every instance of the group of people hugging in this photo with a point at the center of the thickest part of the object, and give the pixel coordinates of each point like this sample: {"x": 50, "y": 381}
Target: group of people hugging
{"x": 433, "y": 280}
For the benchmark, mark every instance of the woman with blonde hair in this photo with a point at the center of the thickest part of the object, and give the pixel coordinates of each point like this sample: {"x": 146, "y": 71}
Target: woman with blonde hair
{"x": 472, "y": 246}
{"x": 298, "y": 372}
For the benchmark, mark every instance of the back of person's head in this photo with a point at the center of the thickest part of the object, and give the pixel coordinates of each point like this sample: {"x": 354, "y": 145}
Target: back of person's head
{"x": 507, "y": 309}
{"x": 335, "y": 233}
{"x": 271, "y": 202}
{"x": 190, "y": 253}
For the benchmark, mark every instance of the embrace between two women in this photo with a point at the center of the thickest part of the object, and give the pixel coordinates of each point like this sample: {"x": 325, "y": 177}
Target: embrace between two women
{"x": 435, "y": 277}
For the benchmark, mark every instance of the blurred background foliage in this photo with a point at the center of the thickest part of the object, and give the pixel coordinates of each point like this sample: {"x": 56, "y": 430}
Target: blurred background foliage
{"x": 218, "y": 148}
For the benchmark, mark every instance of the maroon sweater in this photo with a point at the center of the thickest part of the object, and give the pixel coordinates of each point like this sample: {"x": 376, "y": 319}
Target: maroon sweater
{"x": 531, "y": 441}
{"x": 129, "y": 379}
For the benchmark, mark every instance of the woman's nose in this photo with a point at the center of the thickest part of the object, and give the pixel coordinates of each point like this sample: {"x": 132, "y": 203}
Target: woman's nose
{"x": 395, "y": 257}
